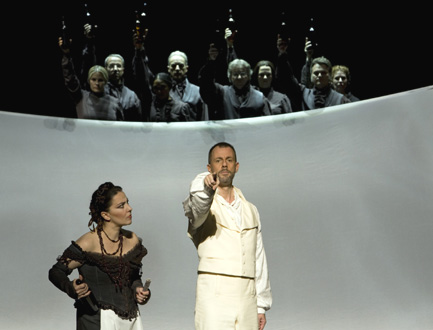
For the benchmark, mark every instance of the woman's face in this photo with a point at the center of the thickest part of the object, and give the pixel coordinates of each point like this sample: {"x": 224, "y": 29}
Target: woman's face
{"x": 120, "y": 212}
{"x": 340, "y": 81}
{"x": 97, "y": 83}
{"x": 264, "y": 77}
{"x": 161, "y": 89}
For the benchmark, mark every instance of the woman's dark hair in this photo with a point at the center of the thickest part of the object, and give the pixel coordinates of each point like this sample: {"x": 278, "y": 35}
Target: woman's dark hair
{"x": 165, "y": 77}
{"x": 101, "y": 202}
{"x": 264, "y": 63}
{"x": 258, "y": 66}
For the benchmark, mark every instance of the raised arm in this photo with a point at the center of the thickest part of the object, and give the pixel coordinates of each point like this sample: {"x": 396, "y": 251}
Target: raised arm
{"x": 69, "y": 75}
{"x": 142, "y": 75}
{"x": 197, "y": 205}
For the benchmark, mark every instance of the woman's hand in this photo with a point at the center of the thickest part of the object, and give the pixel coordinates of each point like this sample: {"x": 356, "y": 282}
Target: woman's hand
{"x": 141, "y": 296}
{"x": 81, "y": 289}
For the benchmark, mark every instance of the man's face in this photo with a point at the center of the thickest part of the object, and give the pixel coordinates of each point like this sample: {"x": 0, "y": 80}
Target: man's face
{"x": 223, "y": 163}
{"x": 320, "y": 75}
{"x": 340, "y": 81}
{"x": 115, "y": 69}
{"x": 177, "y": 68}
{"x": 239, "y": 77}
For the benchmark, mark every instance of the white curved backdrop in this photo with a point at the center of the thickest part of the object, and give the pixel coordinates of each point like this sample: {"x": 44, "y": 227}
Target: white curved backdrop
{"x": 345, "y": 196}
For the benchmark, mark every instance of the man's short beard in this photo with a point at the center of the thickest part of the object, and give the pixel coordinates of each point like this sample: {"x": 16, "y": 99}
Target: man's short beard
{"x": 226, "y": 181}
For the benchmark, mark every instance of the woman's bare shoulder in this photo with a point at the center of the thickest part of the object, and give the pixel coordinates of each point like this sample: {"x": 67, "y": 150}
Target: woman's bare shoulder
{"x": 88, "y": 241}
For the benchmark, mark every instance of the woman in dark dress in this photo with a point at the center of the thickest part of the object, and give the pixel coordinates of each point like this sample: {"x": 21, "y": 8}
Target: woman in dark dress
{"x": 165, "y": 108}
{"x": 263, "y": 75}
{"x": 109, "y": 262}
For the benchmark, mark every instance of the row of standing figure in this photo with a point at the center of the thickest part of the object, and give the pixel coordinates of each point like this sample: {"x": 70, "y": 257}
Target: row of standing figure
{"x": 228, "y": 87}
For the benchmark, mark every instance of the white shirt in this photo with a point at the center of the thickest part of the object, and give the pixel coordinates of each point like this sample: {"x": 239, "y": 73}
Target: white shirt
{"x": 197, "y": 206}
{"x": 234, "y": 208}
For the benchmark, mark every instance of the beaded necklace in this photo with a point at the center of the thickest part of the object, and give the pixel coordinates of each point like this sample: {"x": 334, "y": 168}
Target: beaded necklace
{"x": 112, "y": 240}
{"x": 117, "y": 278}
{"x": 119, "y": 247}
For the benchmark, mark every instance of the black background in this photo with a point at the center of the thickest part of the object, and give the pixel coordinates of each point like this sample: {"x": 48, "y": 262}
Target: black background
{"x": 387, "y": 49}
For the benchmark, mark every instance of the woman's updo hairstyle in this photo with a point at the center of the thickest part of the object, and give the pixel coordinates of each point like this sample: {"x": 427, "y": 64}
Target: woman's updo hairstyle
{"x": 101, "y": 202}
{"x": 164, "y": 77}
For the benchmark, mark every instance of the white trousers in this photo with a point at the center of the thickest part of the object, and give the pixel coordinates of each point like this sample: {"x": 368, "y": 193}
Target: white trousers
{"x": 225, "y": 303}
{"x": 110, "y": 321}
